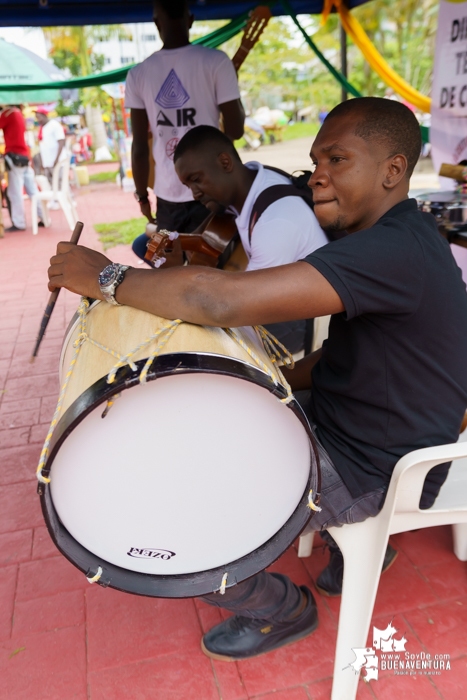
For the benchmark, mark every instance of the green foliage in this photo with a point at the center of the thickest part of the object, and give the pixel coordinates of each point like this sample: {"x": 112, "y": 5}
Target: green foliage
{"x": 299, "y": 130}
{"x": 404, "y": 32}
{"x": 109, "y": 176}
{"x": 74, "y": 48}
{"x": 63, "y": 110}
{"x": 120, "y": 232}
{"x": 63, "y": 58}
{"x": 281, "y": 68}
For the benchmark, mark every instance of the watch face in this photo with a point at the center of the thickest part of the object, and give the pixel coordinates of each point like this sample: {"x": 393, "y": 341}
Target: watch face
{"x": 108, "y": 275}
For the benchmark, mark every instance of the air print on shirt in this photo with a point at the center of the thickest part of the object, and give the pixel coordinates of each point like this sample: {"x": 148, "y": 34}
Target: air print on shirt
{"x": 173, "y": 95}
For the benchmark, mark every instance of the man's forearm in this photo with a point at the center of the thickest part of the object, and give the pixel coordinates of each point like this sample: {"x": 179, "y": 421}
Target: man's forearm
{"x": 140, "y": 166}
{"x": 202, "y": 295}
{"x": 187, "y": 292}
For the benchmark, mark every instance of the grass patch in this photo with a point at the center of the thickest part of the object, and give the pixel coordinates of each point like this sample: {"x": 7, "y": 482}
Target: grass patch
{"x": 300, "y": 130}
{"x": 120, "y": 232}
{"x": 103, "y": 177}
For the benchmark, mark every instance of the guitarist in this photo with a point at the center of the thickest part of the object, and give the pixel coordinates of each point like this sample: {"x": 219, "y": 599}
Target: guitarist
{"x": 274, "y": 217}
{"x": 173, "y": 90}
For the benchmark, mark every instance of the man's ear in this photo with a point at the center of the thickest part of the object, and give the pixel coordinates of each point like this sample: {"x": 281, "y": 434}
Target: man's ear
{"x": 396, "y": 171}
{"x": 226, "y": 162}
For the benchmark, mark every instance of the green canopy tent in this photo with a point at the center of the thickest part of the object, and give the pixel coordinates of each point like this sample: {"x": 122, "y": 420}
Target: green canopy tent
{"x": 21, "y": 70}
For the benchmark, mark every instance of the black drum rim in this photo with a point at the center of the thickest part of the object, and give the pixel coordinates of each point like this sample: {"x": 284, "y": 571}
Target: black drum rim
{"x": 177, "y": 585}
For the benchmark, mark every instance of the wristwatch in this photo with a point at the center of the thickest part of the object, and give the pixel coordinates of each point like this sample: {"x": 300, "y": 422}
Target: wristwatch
{"x": 141, "y": 197}
{"x": 109, "y": 279}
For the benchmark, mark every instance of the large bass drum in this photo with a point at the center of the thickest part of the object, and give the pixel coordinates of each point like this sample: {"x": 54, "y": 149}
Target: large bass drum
{"x": 186, "y": 483}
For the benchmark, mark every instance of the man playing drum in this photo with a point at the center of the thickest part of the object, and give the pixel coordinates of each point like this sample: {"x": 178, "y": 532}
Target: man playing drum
{"x": 392, "y": 376}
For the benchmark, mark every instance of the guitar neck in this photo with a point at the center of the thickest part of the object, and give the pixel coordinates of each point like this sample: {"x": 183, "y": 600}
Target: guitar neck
{"x": 253, "y": 30}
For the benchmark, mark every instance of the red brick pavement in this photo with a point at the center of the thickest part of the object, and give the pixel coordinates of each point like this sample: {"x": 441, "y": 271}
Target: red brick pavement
{"x": 61, "y": 638}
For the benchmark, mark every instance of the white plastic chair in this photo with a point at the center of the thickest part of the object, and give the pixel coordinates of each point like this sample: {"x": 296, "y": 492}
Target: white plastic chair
{"x": 399, "y": 513}
{"x": 61, "y": 194}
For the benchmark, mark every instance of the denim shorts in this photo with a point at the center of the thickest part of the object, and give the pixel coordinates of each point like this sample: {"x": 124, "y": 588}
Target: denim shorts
{"x": 338, "y": 506}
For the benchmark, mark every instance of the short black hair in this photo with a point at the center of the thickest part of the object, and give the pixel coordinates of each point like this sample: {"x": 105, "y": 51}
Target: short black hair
{"x": 202, "y": 138}
{"x": 174, "y": 9}
{"x": 387, "y": 122}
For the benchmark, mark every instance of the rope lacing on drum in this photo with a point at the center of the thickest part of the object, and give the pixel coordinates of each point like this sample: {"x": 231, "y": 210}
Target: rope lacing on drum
{"x": 166, "y": 331}
{"x": 311, "y": 504}
{"x": 82, "y": 310}
{"x": 276, "y": 352}
{"x": 96, "y": 577}
{"x": 223, "y": 585}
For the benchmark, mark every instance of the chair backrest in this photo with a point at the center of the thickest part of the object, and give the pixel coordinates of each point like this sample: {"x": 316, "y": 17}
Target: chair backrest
{"x": 60, "y": 176}
{"x": 43, "y": 183}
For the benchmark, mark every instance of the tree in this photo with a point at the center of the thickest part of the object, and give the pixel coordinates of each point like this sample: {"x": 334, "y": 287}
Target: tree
{"x": 281, "y": 67}
{"x": 72, "y": 48}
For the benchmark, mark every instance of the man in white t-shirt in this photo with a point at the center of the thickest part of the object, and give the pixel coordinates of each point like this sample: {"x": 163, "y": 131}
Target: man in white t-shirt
{"x": 175, "y": 89}
{"x": 51, "y": 141}
{"x": 279, "y": 230}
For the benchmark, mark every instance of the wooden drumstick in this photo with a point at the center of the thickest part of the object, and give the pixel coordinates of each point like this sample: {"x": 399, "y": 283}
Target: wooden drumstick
{"x": 53, "y": 297}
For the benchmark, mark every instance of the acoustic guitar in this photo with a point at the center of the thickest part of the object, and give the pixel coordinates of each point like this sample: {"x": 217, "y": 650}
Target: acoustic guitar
{"x": 215, "y": 243}
{"x": 251, "y": 34}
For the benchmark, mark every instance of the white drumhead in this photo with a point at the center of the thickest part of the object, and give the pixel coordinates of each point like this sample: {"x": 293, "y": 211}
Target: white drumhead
{"x": 185, "y": 473}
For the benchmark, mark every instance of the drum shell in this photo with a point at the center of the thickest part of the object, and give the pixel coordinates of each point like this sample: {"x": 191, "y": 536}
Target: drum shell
{"x": 122, "y": 328}
{"x": 229, "y": 360}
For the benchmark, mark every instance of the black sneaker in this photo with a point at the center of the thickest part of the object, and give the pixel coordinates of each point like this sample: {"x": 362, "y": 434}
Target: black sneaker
{"x": 329, "y": 582}
{"x": 244, "y": 637}
{"x": 14, "y": 228}
{"x": 40, "y": 223}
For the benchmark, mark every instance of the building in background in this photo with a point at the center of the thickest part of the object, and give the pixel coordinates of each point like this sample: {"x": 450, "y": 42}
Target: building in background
{"x": 119, "y": 53}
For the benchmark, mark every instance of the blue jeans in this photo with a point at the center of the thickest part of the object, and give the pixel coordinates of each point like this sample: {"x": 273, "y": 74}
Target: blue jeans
{"x": 275, "y": 597}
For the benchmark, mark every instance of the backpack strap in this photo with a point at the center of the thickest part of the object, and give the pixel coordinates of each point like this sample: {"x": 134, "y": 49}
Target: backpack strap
{"x": 275, "y": 192}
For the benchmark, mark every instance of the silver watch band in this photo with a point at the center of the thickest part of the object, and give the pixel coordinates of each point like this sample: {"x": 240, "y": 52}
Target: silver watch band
{"x": 108, "y": 291}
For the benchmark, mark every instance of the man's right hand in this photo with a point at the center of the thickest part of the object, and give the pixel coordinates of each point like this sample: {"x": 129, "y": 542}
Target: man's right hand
{"x": 145, "y": 207}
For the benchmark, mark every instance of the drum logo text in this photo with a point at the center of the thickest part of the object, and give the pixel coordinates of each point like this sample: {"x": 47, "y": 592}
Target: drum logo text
{"x": 150, "y": 553}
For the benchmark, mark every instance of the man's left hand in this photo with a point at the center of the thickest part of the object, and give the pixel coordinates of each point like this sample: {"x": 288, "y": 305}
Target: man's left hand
{"x": 77, "y": 268}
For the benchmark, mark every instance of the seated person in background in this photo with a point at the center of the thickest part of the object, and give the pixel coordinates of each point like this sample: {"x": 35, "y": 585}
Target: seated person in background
{"x": 206, "y": 161}
{"x": 392, "y": 376}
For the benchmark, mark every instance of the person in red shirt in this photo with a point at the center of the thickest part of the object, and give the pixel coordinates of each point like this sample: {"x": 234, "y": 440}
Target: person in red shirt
{"x": 20, "y": 174}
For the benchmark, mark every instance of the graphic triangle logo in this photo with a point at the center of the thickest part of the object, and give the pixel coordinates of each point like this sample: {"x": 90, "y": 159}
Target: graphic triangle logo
{"x": 172, "y": 94}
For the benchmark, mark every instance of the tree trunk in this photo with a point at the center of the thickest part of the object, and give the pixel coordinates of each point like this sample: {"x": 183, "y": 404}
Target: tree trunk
{"x": 98, "y": 133}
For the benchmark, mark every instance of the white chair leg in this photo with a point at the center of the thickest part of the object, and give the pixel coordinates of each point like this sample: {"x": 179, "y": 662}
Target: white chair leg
{"x": 66, "y": 208}
{"x": 34, "y": 220}
{"x": 459, "y": 535}
{"x": 363, "y": 546}
{"x": 305, "y": 544}
{"x": 45, "y": 213}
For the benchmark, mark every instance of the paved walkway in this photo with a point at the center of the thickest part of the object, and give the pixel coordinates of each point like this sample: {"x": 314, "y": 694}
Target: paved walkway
{"x": 62, "y": 639}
